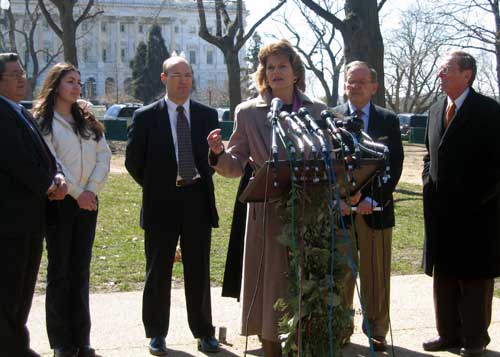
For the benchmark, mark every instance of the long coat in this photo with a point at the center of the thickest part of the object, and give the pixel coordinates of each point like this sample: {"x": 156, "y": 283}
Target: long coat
{"x": 461, "y": 189}
{"x": 268, "y": 282}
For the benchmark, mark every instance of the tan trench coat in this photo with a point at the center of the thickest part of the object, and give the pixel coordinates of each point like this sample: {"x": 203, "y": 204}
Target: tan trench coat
{"x": 265, "y": 262}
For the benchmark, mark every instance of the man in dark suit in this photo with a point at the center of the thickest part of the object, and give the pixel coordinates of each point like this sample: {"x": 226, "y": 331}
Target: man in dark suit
{"x": 373, "y": 228}
{"x": 28, "y": 174}
{"x": 461, "y": 180}
{"x": 167, "y": 155}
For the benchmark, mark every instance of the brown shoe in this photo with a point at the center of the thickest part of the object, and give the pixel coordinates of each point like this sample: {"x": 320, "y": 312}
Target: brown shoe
{"x": 471, "y": 351}
{"x": 379, "y": 343}
{"x": 440, "y": 344}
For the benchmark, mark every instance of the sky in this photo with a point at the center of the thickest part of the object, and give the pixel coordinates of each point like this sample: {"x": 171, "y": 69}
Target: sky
{"x": 389, "y": 18}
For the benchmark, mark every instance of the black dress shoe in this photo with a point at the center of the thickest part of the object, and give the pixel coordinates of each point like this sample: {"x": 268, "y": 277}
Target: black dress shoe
{"x": 86, "y": 351}
{"x": 440, "y": 344}
{"x": 472, "y": 351}
{"x": 208, "y": 344}
{"x": 64, "y": 352}
{"x": 379, "y": 343}
{"x": 157, "y": 346}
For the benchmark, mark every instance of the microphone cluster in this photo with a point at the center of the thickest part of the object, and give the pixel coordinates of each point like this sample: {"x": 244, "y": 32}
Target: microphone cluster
{"x": 328, "y": 138}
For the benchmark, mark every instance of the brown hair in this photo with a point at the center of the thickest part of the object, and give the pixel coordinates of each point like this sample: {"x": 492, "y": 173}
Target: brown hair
{"x": 280, "y": 47}
{"x": 465, "y": 61}
{"x": 85, "y": 122}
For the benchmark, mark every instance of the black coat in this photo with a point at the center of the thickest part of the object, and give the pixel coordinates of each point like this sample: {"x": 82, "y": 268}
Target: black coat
{"x": 461, "y": 181}
{"x": 383, "y": 127}
{"x": 150, "y": 159}
{"x": 25, "y": 176}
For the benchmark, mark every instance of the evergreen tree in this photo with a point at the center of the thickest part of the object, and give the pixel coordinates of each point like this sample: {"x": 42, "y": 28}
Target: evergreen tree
{"x": 140, "y": 80}
{"x": 157, "y": 53}
{"x": 253, "y": 53}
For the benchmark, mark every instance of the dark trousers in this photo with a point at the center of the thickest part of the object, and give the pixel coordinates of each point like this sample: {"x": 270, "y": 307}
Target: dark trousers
{"x": 19, "y": 265}
{"x": 190, "y": 222}
{"x": 463, "y": 309}
{"x": 69, "y": 250}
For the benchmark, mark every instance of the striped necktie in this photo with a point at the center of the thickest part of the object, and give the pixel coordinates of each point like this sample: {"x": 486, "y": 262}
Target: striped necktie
{"x": 186, "y": 169}
{"x": 450, "y": 112}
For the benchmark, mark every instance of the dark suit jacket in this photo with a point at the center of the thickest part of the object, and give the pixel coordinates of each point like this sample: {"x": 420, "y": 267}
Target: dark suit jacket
{"x": 150, "y": 158}
{"x": 24, "y": 176}
{"x": 461, "y": 180}
{"x": 383, "y": 127}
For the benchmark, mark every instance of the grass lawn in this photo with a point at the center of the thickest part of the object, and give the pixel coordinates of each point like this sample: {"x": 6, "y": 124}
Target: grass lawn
{"x": 118, "y": 257}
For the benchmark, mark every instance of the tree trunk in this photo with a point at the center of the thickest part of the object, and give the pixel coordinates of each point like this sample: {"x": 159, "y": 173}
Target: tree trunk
{"x": 233, "y": 74}
{"x": 69, "y": 35}
{"x": 363, "y": 40}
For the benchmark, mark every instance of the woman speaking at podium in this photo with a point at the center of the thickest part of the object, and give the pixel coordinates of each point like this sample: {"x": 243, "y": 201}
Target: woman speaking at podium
{"x": 280, "y": 74}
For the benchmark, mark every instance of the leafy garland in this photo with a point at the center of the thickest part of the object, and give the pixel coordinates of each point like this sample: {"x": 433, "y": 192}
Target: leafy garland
{"x": 309, "y": 242}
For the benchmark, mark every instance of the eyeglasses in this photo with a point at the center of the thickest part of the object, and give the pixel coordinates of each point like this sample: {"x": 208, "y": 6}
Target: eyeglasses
{"x": 445, "y": 69}
{"x": 16, "y": 75}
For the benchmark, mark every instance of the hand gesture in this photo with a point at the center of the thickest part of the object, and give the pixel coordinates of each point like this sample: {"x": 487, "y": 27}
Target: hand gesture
{"x": 214, "y": 140}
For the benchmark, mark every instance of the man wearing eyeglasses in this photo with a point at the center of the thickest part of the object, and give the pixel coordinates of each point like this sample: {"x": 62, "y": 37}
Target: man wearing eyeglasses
{"x": 461, "y": 180}
{"x": 373, "y": 228}
{"x": 167, "y": 156}
{"x": 29, "y": 175}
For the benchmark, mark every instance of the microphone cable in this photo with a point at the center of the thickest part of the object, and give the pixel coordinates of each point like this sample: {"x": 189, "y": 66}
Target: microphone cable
{"x": 261, "y": 259}
{"x": 350, "y": 254}
{"x": 384, "y": 267}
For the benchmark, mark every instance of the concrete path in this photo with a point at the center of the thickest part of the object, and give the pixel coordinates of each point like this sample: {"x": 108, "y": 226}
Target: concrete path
{"x": 117, "y": 328}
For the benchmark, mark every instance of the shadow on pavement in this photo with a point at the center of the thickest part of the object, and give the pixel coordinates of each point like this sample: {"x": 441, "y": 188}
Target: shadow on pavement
{"x": 355, "y": 350}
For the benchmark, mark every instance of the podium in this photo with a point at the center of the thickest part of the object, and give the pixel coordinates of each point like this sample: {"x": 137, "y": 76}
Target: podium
{"x": 270, "y": 183}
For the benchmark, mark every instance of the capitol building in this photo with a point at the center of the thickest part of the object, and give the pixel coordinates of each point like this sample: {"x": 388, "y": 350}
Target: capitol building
{"x": 107, "y": 44}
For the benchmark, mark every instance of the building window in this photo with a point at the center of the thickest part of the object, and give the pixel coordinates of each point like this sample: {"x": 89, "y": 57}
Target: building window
{"x": 123, "y": 54}
{"x": 192, "y": 57}
{"x": 122, "y": 27}
{"x": 210, "y": 57}
{"x": 84, "y": 27}
{"x": 192, "y": 29}
{"x": 104, "y": 55}
{"x": 103, "y": 27}
{"x": 141, "y": 28}
{"x": 89, "y": 88}
{"x": 85, "y": 54}
{"x": 109, "y": 86}
{"x": 176, "y": 29}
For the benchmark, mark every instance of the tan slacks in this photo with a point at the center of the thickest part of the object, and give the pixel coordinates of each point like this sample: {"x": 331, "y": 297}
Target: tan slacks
{"x": 374, "y": 248}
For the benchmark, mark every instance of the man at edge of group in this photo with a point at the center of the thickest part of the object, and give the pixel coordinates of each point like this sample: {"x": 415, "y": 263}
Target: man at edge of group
{"x": 167, "y": 156}
{"x": 373, "y": 228}
{"x": 461, "y": 179}
{"x": 29, "y": 174}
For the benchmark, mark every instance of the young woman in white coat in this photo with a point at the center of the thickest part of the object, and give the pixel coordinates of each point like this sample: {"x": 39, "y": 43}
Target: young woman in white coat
{"x": 77, "y": 140}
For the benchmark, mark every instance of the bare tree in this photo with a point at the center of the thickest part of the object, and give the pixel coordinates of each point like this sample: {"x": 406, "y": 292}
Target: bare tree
{"x": 30, "y": 58}
{"x": 361, "y": 34}
{"x": 66, "y": 30}
{"x": 412, "y": 54}
{"x": 319, "y": 49}
{"x": 475, "y": 24}
{"x": 230, "y": 37}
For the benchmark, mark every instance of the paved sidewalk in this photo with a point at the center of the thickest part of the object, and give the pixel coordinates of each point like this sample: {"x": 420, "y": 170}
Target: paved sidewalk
{"x": 117, "y": 328}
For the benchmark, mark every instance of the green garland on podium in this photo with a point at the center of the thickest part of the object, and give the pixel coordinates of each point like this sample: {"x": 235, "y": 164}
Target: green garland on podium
{"x": 307, "y": 233}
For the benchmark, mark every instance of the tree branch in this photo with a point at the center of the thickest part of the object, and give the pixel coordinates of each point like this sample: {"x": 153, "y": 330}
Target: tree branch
{"x": 49, "y": 19}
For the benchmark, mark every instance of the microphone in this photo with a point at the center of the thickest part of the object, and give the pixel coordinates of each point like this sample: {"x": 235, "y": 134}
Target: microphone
{"x": 295, "y": 128}
{"x": 276, "y": 105}
{"x": 313, "y": 126}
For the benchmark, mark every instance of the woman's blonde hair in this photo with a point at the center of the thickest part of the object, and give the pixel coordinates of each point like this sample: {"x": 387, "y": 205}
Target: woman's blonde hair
{"x": 280, "y": 47}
